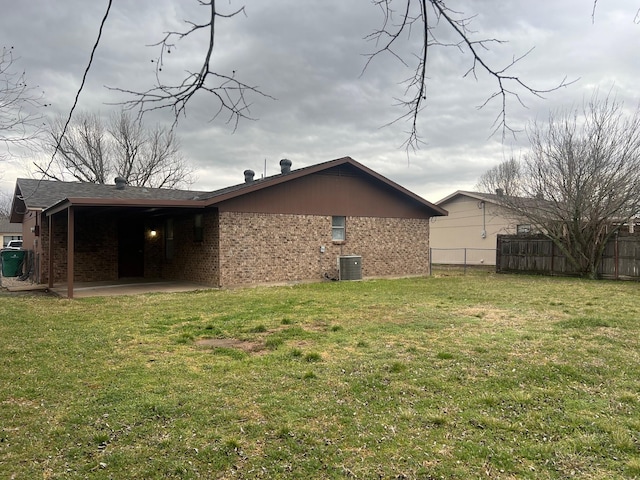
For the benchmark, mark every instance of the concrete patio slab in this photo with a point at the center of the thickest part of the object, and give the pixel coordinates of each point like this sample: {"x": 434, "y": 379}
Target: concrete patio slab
{"x": 101, "y": 289}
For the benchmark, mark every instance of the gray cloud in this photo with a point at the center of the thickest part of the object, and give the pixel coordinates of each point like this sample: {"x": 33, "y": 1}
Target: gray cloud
{"x": 309, "y": 56}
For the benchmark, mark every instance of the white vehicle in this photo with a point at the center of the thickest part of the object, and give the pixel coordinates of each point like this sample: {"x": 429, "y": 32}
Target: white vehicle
{"x": 14, "y": 245}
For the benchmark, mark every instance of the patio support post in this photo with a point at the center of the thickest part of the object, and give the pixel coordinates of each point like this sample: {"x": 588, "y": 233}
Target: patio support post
{"x": 50, "y": 249}
{"x": 70, "y": 250}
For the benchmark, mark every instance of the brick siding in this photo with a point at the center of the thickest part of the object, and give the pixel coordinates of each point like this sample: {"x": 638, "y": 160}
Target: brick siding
{"x": 195, "y": 261}
{"x": 96, "y": 249}
{"x": 246, "y": 248}
{"x": 266, "y": 248}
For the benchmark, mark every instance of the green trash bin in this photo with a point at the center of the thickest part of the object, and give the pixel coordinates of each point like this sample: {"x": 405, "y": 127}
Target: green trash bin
{"x": 12, "y": 261}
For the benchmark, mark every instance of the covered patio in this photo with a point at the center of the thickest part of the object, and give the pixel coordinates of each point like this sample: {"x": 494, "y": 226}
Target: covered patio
{"x": 133, "y": 241}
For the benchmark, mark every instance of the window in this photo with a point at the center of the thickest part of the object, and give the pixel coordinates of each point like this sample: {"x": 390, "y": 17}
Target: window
{"x": 197, "y": 228}
{"x": 523, "y": 229}
{"x": 168, "y": 239}
{"x": 338, "y": 229}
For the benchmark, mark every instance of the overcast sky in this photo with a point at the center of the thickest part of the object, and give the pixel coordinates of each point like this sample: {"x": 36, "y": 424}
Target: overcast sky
{"x": 309, "y": 55}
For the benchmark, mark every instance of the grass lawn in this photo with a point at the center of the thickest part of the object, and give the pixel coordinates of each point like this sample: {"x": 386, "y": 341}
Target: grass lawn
{"x": 454, "y": 377}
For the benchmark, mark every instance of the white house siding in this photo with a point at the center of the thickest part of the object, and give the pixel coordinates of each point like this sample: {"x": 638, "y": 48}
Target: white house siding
{"x": 463, "y": 229}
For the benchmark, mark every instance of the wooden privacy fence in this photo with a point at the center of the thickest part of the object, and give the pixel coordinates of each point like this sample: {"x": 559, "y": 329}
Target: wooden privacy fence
{"x": 538, "y": 254}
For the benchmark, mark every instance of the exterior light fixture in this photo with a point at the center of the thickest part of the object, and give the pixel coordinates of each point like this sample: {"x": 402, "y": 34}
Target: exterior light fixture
{"x": 153, "y": 233}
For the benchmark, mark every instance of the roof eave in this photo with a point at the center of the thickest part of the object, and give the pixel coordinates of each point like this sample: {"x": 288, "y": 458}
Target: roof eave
{"x": 474, "y": 195}
{"x": 120, "y": 202}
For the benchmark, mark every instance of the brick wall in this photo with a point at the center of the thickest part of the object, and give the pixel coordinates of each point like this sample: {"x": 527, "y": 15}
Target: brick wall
{"x": 96, "y": 249}
{"x": 247, "y": 248}
{"x": 265, "y": 248}
{"x": 195, "y": 261}
{"x": 390, "y": 246}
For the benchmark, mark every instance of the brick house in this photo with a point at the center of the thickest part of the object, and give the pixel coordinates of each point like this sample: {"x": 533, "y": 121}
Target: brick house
{"x": 284, "y": 228}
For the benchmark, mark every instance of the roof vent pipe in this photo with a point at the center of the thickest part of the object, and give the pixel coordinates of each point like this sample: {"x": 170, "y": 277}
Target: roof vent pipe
{"x": 120, "y": 183}
{"x": 248, "y": 176}
{"x": 285, "y": 165}
{"x": 499, "y": 192}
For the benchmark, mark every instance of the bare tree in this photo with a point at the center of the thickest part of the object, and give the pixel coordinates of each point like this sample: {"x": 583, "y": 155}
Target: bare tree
{"x": 148, "y": 158}
{"x": 20, "y": 106}
{"x": 91, "y": 151}
{"x": 580, "y": 181}
{"x": 504, "y": 177}
{"x": 5, "y": 204}
{"x": 82, "y": 152}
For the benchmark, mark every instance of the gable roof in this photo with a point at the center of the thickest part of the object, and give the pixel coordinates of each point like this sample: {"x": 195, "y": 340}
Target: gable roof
{"x": 514, "y": 204}
{"x": 53, "y": 196}
{"x": 348, "y": 162}
{"x": 487, "y": 197}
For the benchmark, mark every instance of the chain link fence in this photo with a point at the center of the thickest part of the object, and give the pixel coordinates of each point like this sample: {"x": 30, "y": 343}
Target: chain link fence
{"x": 462, "y": 259}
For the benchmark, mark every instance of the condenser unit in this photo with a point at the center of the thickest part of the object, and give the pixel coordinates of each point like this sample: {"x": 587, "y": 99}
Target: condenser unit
{"x": 350, "y": 267}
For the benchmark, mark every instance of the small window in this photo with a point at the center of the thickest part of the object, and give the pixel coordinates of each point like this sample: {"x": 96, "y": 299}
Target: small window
{"x": 168, "y": 238}
{"x": 197, "y": 228}
{"x": 338, "y": 229}
{"x": 523, "y": 229}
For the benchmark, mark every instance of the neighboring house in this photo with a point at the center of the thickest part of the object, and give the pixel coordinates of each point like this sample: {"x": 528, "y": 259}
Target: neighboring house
{"x": 9, "y": 231}
{"x": 469, "y": 232}
{"x": 287, "y": 227}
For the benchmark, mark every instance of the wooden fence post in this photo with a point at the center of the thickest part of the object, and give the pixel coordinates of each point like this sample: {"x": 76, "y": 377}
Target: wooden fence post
{"x": 616, "y": 257}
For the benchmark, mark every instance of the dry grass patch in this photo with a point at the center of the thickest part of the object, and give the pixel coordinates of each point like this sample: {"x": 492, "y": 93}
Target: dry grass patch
{"x": 244, "y": 345}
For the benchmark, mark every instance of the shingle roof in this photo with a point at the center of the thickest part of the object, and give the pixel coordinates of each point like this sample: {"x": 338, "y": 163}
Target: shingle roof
{"x": 47, "y": 194}
{"x": 7, "y": 227}
{"x": 508, "y": 201}
{"x": 489, "y": 197}
{"x": 44, "y": 193}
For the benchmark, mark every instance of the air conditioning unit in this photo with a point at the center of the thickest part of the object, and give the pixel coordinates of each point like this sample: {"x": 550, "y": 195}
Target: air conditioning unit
{"x": 350, "y": 267}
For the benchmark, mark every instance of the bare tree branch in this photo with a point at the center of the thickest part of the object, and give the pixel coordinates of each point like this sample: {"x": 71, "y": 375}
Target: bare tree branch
{"x": 45, "y": 170}
{"x": 636, "y": 18}
{"x": 148, "y": 157}
{"x": 508, "y": 86}
{"x": 229, "y": 92}
{"x": 21, "y": 119}
{"x": 232, "y": 96}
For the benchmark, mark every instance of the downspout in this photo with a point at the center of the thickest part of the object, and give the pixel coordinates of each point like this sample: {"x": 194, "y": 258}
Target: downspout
{"x": 481, "y": 205}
